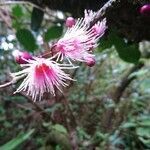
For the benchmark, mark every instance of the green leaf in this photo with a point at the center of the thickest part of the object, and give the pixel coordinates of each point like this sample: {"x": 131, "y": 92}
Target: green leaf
{"x": 26, "y": 39}
{"x": 145, "y": 141}
{"x": 111, "y": 40}
{"x": 36, "y": 19}
{"x": 60, "y": 128}
{"x": 53, "y": 108}
{"x": 129, "y": 54}
{"x": 105, "y": 44}
{"x": 129, "y": 125}
{"x": 53, "y": 33}
{"x": 144, "y": 132}
{"x": 17, "y": 141}
{"x": 57, "y": 138}
{"x": 145, "y": 122}
{"x": 117, "y": 41}
{"x": 17, "y": 11}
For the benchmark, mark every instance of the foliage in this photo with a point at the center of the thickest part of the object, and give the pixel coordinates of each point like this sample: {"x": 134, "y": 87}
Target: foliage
{"x": 26, "y": 38}
{"x": 16, "y": 141}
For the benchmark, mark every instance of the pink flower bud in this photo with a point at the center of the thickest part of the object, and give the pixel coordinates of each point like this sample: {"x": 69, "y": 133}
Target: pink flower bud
{"x": 21, "y": 57}
{"x": 145, "y": 9}
{"x": 70, "y": 21}
{"x": 99, "y": 28}
{"x": 90, "y": 61}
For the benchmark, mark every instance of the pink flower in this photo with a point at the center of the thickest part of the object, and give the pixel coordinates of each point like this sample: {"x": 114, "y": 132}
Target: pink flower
{"x": 21, "y": 57}
{"x": 70, "y": 21}
{"x": 99, "y": 28}
{"x": 72, "y": 49}
{"x": 78, "y": 40}
{"x": 40, "y": 76}
{"x": 89, "y": 15}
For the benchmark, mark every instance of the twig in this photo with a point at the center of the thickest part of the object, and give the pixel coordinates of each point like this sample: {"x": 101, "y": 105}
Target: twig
{"x": 126, "y": 80}
{"x": 38, "y": 108}
{"x": 116, "y": 96}
{"x": 21, "y": 2}
{"x": 5, "y": 19}
{"x": 31, "y": 101}
{"x": 71, "y": 125}
{"x": 100, "y": 13}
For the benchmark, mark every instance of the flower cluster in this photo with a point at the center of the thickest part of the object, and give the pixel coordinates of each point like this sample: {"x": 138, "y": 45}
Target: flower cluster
{"x": 43, "y": 75}
{"x": 79, "y": 40}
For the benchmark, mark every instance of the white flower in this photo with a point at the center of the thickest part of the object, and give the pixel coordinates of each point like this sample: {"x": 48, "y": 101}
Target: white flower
{"x": 42, "y": 75}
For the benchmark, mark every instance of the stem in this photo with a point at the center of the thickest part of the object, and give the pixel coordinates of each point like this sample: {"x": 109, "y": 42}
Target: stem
{"x": 107, "y": 121}
{"x": 5, "y": 19}
{"x": 6, "y": 84}
{"x": 20, "y": 2}
{"x": 100, "y": 13}
{"x": 37, "y": 107}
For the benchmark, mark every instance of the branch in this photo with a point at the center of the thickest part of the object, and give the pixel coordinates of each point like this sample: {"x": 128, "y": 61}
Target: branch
{"x": 125, "y": 81}
{"x": 20, "y": 2}
{"x": 107, "y": 121}
{"x": 5, "y": 18}
{"x": 100, "y": 13}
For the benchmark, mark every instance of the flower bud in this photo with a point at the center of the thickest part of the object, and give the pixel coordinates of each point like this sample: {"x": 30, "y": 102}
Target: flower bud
{"x": 145, "y": 9}
{"x": 90, "y": 61}
{"x": 70, "y": 21}
{"x": 21, "y": 57}
{"x": 99, "y": 28}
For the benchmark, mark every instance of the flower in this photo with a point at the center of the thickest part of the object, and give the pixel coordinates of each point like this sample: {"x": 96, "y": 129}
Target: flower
{"x": 99, "y": 28}
{"x": 89, "y": 15}
{"x": 21, "y": 57}
{"x": 42, "y": 75}
{"x": 70, "y": 21}
{"x": 77, "y": 42}
{"x": 90, "y": 61}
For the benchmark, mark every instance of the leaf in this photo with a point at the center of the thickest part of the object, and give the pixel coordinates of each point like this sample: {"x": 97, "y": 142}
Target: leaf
{"x": 17, "y": 141}
{"x": 53, "y": 108}
{"x": 145, "y": 141}
{"x": 17, "y": 11}
{"x": 26, "y": 39}
{"x": 129, "y": 54}
{"x": 111, "y": 40}
{"x": 145, "y": 122}
{"x": 60, "y": 128}
{"x": 36, "y": 19}
{"x": 144, "y": 132}
{"x": 53, "y": 33}
{"x": 56, "y": 138}
{"x": 105, "y": 44}
{"x": 129, "y": 125}
{"x": 145, "y": 85}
